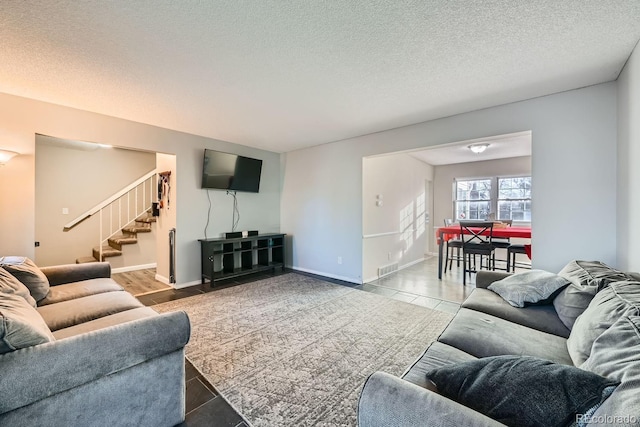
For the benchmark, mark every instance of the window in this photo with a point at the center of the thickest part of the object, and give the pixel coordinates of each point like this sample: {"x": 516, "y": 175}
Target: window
{"x": 497, "y": 198}
{"x": 473, "y": 199}
{"x": 514, "y": 198}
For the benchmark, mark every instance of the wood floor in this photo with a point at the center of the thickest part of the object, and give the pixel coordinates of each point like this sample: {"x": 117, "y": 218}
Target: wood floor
{"x": 140, "y": 282}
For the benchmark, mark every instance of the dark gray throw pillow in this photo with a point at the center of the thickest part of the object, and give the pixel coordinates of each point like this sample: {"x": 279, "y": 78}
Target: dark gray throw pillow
{"x": 10, "y": 285}
{"x": 25, "y": 270}
{"x": 522, "y": 390}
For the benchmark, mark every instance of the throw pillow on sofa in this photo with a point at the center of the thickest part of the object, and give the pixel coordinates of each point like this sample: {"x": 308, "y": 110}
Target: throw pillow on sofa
{"x": 529, "y": 287}
{"x": 611, "y": 303}
{"x": 522, "y": 390}
{"x": 10, "y": 285}
{"x": 21, "y": 325}
{"x": 587, "y": 278}
{"x": 28, "y": 273}
{"x": 616, "y": 354}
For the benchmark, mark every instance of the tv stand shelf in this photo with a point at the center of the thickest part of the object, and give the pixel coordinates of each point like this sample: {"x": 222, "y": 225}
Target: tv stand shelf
{"x": 226, "y": 258}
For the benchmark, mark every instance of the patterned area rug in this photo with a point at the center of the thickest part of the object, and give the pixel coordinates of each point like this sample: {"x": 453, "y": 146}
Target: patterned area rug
{"x": 294, "y": 350}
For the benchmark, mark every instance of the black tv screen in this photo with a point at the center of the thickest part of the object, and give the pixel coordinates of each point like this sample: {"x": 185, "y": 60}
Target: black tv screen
{"x": 225, "y": 171}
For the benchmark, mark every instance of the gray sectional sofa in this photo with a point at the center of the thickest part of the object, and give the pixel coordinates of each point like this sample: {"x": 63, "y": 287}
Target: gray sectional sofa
{"x": 78, "y": 350}
{"x": 592, "y": 323}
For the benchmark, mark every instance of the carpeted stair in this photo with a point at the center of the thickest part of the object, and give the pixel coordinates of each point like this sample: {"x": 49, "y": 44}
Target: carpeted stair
{"x": 128, "y": 236}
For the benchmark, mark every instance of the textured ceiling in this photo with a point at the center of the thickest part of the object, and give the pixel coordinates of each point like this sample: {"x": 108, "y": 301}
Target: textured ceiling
{"x": 286, "y": 74}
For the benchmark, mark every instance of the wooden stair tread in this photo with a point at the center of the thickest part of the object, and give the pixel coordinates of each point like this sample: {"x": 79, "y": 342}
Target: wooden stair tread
{"x": 147, "y": 220}
{"x": 134, "y": 230}
{"x": 124, "y": 240}
{"x": 107, "y": 251}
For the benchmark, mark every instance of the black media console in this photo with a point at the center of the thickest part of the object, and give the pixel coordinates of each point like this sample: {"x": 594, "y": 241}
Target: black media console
{"x": 225, "y": 258}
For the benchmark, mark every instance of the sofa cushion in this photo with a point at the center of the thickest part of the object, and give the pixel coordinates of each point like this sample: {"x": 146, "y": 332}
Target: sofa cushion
{"x": 105, "y": 322}
{"x": 20, "y": 324}
{"x": 483, "y": 335}
{"x": 607, "y": 306}
{"x": 540, "y": 317}
{"x": 587, "y": 278}
{"x": 522, "y": 391}
{"x": 81, "y": 289}
{"x": 28, "y": 273}
{"x": 73, "y": 312}
{"x": 10, "y": 285}
{"x": 616, "y": 355}
{"x": 435, "y": 356}
{"x": 529, "y": 287}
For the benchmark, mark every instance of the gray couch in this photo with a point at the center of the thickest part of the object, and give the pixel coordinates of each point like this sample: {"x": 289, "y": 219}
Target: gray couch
{"x": 606, "y": 334}
{"x": 101, "y": 358}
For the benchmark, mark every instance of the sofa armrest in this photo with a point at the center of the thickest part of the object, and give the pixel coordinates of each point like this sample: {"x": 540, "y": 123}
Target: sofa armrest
{"x": 68, "y": 273}
{"x": 484, "y": 278}
{"x": 388, "y": 401}
{"x": 34, "y": 373}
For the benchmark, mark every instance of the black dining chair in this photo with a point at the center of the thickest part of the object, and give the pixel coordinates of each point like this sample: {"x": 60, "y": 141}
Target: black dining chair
{"x": 512, "y": 251}
{"x": 477, "y": 239}
{"x": 451, "y": 244}
{"x": 503, "y": 243}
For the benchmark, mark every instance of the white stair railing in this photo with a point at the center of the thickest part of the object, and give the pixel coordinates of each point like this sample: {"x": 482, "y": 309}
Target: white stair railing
{"x": 126, "y": 210}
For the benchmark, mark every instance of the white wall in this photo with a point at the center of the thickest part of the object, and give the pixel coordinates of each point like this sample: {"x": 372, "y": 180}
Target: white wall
{"x": 573, "y": 168}
{"x": 400, "y": 181}
{"x": 445, "y": 175}
{"x": 78, "y": 179}
{"x": 167, "y": 219}
{"x": 628, "y": 158}
{"x": 21, "y": 119}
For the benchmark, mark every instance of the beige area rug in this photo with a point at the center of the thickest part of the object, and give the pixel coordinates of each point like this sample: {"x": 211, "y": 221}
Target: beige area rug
{"x": 295, "y": 351}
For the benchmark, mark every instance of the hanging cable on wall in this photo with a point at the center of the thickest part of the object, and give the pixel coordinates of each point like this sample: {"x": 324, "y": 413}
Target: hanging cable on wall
{"x": 236, "y": 211}
{"x": 208, "y": 214}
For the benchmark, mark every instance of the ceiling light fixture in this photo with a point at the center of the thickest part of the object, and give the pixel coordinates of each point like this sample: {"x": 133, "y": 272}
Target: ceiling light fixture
{"x": 478, "y": 148}
{"x": 6, "y": 155}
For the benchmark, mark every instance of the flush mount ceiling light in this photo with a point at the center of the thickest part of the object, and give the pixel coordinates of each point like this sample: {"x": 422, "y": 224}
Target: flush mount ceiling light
{"x": 478, "y": 148}
{"x": 6, "y": 155}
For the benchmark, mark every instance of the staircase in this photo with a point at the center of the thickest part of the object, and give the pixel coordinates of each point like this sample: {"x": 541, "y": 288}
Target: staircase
{"x": 120, "y": 218}
{"x": 127, "y": 236}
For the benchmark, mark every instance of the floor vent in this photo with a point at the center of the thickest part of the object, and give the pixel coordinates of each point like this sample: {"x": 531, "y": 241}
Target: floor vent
{"x": 387, "y": 269}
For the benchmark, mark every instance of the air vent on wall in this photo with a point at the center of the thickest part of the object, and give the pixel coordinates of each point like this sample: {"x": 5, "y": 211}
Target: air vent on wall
{"x": 387, "y": 269}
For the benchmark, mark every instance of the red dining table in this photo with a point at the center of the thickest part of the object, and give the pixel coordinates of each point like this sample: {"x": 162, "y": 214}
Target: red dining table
{"x": 446, "y": 233}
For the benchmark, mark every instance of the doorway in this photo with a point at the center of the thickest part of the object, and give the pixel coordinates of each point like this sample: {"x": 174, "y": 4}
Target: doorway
{"x": 73, "y": 177}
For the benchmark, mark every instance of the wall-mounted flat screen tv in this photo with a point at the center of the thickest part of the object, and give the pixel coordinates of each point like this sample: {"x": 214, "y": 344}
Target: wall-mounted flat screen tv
{"x": 225, "y": 171}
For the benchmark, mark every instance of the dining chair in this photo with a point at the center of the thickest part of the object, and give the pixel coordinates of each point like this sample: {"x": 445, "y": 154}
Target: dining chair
{"x": 512, "y": 251}
{"x": 503, "y": 243}
{"x": 451, "y": 244}
{"x": 477, "y": 237}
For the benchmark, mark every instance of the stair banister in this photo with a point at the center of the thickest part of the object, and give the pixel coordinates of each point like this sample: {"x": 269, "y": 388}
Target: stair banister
{"x": 128, "y": 191}
{"x": 97, "y": 208}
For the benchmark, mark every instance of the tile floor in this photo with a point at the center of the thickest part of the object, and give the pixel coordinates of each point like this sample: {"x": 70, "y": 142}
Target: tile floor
{"x": 417, "y": 284}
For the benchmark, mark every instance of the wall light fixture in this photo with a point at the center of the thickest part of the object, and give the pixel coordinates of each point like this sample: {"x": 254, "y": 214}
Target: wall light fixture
{"x": 6, "y": 155}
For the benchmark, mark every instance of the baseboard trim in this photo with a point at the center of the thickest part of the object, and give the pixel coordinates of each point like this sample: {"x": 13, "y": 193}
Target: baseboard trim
{"x": 371, "y": 279}
{"x": 163, "y": 279}
{"x": 166, "y": 281}
{"x": 185, "y": 285}
{"x": 333, "y": 276}
{"x": 133, "y": 268}
{"x": 400, "y": 267}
